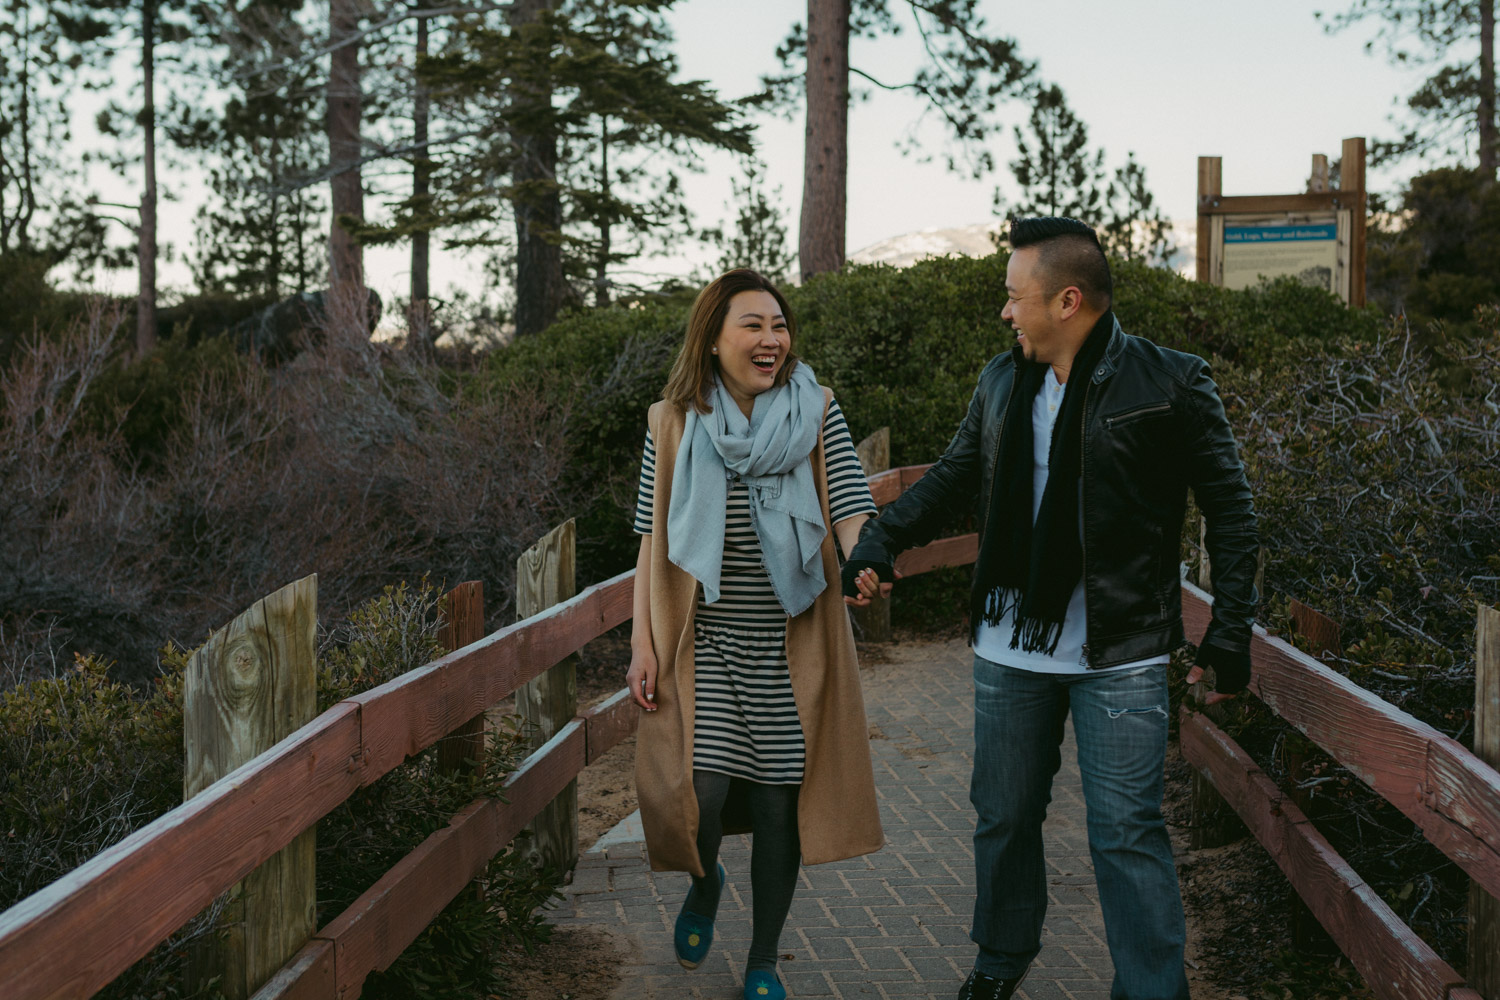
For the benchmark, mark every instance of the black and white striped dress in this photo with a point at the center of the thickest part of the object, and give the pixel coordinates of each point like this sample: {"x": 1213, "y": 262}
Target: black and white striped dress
{"x": 746, "y": 721}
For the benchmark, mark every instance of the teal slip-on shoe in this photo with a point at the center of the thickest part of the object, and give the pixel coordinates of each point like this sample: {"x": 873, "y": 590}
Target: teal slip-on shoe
{"x": 694, "y": 933}
{"x": 762, "y": 984}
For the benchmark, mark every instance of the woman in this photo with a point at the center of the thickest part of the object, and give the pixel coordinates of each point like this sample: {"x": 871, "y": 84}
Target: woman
{"x": 741, "y": 652}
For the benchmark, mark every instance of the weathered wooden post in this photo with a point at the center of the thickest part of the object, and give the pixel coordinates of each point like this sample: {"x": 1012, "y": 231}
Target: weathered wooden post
{"x": 874, "y": 622}
{"x": 1214, "y": 822}
{"x": 544, "y": 577}
{"x": 249, "y": 687}
{"x": 1484, "y": 909}
{"x": 463, "y": 623}
{"x": 1323, "y": 635}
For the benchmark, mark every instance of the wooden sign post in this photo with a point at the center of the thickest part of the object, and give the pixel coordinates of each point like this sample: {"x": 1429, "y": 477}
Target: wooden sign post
{"x": 1214, "y": 822}
{"x": 249, "y": 687}
{"x": 544, "y": 577}
{"x": 1317, "y": 237}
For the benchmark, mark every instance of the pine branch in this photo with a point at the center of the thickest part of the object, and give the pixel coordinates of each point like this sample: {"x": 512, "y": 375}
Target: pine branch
{"x": 363, "y": 33}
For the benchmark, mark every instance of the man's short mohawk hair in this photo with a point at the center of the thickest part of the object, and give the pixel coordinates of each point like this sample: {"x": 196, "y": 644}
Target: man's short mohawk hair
{"x": 1068, "y": 253}
{"x": 1025, "y": 232}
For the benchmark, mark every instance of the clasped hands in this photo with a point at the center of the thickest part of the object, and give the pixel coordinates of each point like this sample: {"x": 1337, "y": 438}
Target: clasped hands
{"x": 863, "y": 580}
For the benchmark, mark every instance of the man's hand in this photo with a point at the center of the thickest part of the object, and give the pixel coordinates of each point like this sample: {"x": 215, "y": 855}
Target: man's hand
{"x": 1194, "y": 676}
{"x": 1231, "y": 672}
{"x": 862, "y": 580}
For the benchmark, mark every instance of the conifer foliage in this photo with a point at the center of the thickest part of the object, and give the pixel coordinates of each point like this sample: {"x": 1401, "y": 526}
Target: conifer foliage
{"x": 1453, "y": 111}
{"x": 589, "y": 175}
{"x": 1059, "y": 174}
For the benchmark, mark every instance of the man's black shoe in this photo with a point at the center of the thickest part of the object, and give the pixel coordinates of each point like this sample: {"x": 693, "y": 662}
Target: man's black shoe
{"x": 981, "y": 987}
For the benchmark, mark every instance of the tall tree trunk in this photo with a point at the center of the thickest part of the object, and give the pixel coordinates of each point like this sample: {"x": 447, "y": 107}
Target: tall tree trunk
{"x": 537, "y": 203}
{"x": 274, "y": 252}
{"x": 345, "y": 258}
{"x": 145, "y": 309}
{"x": 601, "y": 267}
{"x": 304, "y": 225}
{"x": 1487, "y": 152}
{"x": 419, "y": 318}
{"x": 14, "y": 227}
{"x": 825, "y": 171}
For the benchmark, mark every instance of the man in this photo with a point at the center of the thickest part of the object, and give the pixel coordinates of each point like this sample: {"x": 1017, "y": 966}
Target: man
{"x": 1080, "y": 445}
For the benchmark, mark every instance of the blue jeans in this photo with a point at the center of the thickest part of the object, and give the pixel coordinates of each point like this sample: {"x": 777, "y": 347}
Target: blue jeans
{"x": 1120, "y": 721}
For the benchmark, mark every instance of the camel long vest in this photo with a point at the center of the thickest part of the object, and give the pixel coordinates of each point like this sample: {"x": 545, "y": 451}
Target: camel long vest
{"x": 837, "y": 816}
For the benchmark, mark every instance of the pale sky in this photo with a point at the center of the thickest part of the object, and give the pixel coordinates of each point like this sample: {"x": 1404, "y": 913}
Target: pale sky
{"x": 1261, "y": 85}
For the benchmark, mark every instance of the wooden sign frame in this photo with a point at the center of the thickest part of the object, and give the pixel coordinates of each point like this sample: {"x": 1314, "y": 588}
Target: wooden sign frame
{"x": 1343, "y": 206}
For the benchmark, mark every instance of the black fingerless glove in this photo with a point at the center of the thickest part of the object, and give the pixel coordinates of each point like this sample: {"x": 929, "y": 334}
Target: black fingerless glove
{"x": 1231, "y": 667}
{"x": 854, "y": 567}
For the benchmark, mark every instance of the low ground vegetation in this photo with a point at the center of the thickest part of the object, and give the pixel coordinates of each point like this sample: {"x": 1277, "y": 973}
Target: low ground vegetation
{"x": 85, "y": 760}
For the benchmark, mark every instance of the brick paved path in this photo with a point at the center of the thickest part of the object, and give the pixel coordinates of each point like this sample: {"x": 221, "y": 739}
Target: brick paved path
{"x": 892, "y": 924}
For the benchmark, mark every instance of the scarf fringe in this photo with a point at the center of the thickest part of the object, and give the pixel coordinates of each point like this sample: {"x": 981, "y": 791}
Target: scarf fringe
{"x": 1034, "y": 635}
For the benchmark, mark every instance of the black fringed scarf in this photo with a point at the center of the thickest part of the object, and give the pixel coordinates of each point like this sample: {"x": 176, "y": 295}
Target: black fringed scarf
{"x": 1033, "y": 569}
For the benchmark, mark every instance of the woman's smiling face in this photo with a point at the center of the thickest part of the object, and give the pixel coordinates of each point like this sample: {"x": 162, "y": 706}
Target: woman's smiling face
{"x": 752, "y": 345}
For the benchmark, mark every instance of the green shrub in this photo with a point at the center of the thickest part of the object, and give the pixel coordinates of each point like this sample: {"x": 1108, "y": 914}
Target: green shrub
{"x": 602, "y": 369}
{"x": 148, "y": 397}
{"x": 85, "y": 760}
{"x": 899, "y": 347}
{"x": 29, "y": 304}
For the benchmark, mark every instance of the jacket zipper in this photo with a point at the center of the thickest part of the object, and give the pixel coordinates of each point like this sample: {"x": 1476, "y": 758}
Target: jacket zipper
{"x": 984, "y": 524}
{"x": 1083, "y": 534}
{"x": 1129, "y": 415}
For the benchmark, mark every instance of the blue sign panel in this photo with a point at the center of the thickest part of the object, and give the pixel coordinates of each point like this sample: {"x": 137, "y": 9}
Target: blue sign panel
{"x": 1280, "y": 234}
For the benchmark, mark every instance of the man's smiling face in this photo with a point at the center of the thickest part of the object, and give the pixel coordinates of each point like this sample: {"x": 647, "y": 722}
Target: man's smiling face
{"x": 1028, "y": 307}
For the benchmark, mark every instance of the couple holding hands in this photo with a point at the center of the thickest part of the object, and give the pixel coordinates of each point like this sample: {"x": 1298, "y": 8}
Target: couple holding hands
{"x": 1076, "y": 456}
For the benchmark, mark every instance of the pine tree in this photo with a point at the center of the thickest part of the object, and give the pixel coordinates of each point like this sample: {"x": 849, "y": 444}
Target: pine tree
{"x": 1059, "y": 174}
{"x": 346, "y": 285}
{"x": 1458, "y": 100}
{"x": 160, "y": 30}
{"x": 757, "y": 237}
{"x": 1056, "y": 171}
{"x": 616, "y": 122}
{"x": 261, "y": 234}
{"x": 1134, "y": 227}
{"x": 967, "y": 73}
{"x": 47, "y": 51}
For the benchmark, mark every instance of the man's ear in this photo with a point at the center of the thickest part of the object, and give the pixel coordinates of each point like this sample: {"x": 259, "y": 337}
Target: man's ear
{"x": 1072, "y": 301}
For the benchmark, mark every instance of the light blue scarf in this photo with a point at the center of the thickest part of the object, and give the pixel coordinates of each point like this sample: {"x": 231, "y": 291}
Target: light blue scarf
{"x": 770, "y": 452}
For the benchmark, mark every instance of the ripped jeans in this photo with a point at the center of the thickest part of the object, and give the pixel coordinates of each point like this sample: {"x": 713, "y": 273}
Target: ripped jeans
{"x": 1120, "y": 721}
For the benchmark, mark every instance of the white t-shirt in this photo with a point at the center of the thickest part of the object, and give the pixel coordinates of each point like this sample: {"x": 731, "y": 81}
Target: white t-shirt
{"x": 993, "y": 641}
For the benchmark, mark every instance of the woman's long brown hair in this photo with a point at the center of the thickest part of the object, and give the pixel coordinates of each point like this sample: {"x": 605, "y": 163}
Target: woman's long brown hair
{"x": 693, "y": 371}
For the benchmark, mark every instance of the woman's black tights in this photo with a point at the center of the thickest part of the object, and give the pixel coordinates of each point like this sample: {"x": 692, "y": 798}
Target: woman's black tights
{"x": 775, "y": 856}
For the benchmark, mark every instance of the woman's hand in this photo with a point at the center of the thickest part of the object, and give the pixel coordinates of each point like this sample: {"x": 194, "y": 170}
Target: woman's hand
{"x": 868, "y": 583}
{"x": 641, "y": 678}
{"x": 642, "y": 674}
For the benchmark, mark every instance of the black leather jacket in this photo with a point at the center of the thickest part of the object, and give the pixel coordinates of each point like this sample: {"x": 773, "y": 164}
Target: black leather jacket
{"x": 1153, "y": 427}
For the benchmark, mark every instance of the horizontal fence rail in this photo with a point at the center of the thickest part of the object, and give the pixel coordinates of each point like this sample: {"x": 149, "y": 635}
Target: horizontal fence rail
{"x": 137, "y": 893}
{"x": 1452, "y": 795}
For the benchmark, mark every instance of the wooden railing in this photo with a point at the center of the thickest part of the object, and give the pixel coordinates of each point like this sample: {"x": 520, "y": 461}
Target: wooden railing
{"x": 73, "y": 937}
{"x": 1451, "y": 795}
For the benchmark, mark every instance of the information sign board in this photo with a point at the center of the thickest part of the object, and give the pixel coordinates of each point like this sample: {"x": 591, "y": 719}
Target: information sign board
{"x": 1316, "y": 237}
{"x": 1309, "y": 253}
